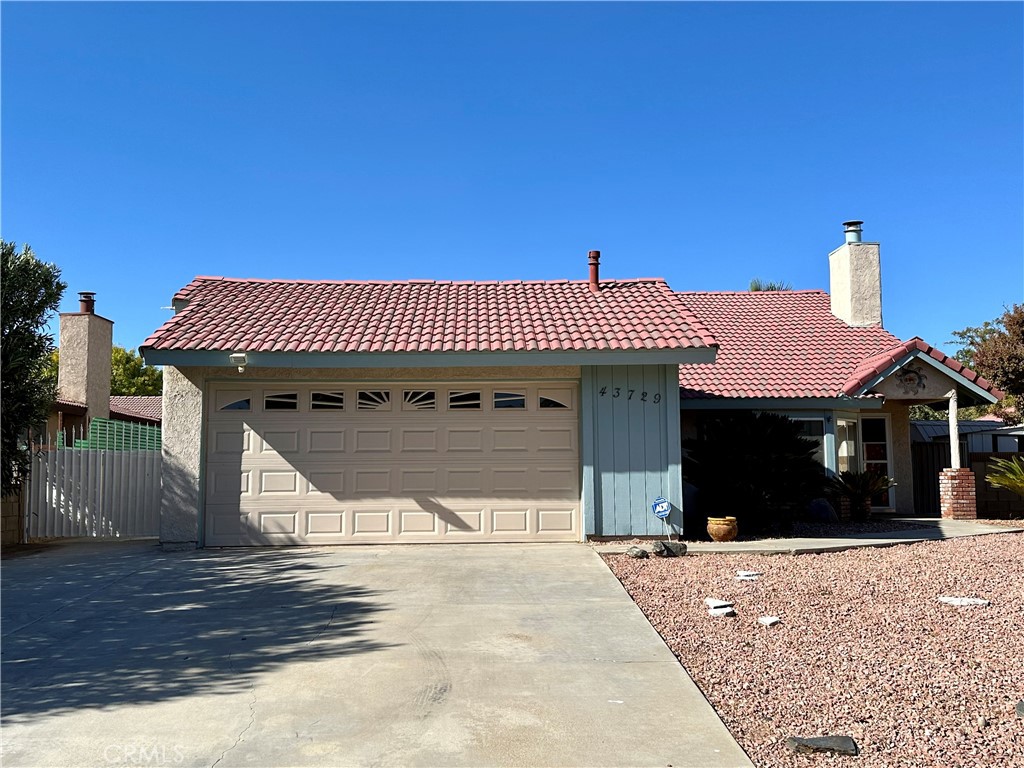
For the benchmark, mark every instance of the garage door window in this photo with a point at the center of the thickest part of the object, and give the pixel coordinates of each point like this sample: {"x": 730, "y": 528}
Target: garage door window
{"x": 373, "y": 400}
{"x": 555, "y": 398}
{"x": 281, "y": 401}
{"x": 464, "y": 401}
{"x": 419, "y": 400}
{"x": 242, "y": 404}
{"x": 327, "y": 401}
{"x": 516, "y": 400}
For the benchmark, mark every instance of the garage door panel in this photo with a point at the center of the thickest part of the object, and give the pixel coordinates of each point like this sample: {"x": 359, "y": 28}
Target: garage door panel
{"x": 326, "y": 482}
{"x": 371, "y": 522}
{"x": 556, "y": 520}
{"x": 393, "y": 473}
{"x": 418, "y": 440}
{"x": 419, "y": 480}
{"x": 462, "y": 523}
{"x": 278, "y": 523}
{"x": 279, "y": 441}
{"x": 416, "y": 522}
{"x": 325, "y": 441}
{"x": 325, "y": 523}
{"x": 372, "y": 481}
{"x": 278, "y": 482}
{"x": 465, "y": 439}
{"x": 510, "y": 520}
{"x": 372, "y": 440}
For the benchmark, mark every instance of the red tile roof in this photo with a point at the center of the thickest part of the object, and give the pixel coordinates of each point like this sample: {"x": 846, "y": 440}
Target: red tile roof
{"x": 148, "y": 407}
{"x": 873, "y": 367}
{"x": 427, "y": 316}
{"x": 789, "y": 344}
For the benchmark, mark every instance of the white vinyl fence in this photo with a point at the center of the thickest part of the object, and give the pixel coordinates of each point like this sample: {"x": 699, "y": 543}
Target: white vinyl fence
{"x": 93, "y": 492}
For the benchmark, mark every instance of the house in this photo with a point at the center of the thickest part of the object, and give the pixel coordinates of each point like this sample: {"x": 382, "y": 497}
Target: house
{"x": 83, "y": 379}
{"x": 323, "y": 412}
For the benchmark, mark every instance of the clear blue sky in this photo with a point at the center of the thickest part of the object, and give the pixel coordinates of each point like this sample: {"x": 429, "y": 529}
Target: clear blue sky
{"x": 144, "y": 144}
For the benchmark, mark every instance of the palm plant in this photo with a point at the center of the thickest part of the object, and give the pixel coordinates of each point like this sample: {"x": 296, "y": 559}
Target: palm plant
{"x": 757, "y": 284}
{"x": 859, "y": 488}
{"x": 1008, "y": 474}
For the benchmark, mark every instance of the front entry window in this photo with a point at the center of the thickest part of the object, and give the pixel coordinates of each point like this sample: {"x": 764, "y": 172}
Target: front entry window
{"x": 876, "y": 454}
{"x": 846, "y": 441}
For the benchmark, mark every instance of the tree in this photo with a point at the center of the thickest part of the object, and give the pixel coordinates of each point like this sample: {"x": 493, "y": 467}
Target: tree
{"x": 999, "y": 354}
{"x": 757, "y": 467}
{"x": 129, "y": 375}
{"x": 995, "y": 349}
{"x": 757, "y": 284}
{"x": 31, "y": 293}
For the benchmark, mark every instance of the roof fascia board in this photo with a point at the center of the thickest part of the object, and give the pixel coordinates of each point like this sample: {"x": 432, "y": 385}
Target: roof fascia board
{"x": 778, "y": 403}
{"x": 219, "y": 358}
{"x": 957, "y": 378}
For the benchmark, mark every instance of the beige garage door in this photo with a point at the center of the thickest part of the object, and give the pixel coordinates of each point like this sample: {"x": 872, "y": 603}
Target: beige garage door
{"x": 348, "y": 463}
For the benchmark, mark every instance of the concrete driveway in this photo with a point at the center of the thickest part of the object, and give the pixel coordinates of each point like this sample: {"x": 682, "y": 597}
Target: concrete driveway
{"x": 481, "y": 655}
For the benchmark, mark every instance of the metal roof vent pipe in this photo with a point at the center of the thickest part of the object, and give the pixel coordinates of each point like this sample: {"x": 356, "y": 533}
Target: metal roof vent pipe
{"x": 87, "y": 302}
{"x": 853, "y": 230}
{"x": 594, "y": 259}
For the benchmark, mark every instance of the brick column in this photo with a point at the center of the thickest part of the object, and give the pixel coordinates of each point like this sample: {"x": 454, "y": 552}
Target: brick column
{"x": 956, "y": 494}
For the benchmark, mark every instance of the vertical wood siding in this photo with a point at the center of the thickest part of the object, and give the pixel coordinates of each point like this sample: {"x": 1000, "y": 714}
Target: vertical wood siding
{"x": 631, "y": 450}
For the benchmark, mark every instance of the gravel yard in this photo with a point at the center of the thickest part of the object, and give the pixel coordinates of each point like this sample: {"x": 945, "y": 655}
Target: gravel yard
{"x": 864, "y": 649}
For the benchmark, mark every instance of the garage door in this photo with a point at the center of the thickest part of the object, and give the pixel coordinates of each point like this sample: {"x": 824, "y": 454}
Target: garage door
{"x": 375, "y": 463}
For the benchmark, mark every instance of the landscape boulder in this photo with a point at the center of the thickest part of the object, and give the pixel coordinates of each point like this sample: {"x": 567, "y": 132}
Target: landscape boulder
{"x": 841, "y": 745}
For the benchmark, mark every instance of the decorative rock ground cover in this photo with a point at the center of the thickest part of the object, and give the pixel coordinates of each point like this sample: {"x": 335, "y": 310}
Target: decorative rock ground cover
{"x": 864, "y": 648}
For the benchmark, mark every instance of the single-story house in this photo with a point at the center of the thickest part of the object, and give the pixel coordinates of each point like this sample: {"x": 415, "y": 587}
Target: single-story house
{"x": 328, "y": 412}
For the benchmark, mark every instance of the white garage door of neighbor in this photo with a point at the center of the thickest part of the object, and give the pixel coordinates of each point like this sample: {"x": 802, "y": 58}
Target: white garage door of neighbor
{"x": 376, "y": 463}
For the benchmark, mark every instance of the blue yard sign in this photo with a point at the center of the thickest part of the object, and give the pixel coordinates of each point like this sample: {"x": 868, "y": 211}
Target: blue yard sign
{"x": 661, "y": 508}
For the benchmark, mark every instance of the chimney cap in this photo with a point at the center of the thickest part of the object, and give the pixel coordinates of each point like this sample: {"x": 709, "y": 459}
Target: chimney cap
{"x": 852, "y": 229}
{"x": 87, "y": 302}
{"x": 87, "y": 295}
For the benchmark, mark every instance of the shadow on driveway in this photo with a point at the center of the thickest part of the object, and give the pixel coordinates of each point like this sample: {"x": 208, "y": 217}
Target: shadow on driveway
{"x": 96, "y": 625}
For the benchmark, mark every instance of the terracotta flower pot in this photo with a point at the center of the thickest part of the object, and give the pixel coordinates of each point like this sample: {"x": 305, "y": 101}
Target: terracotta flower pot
{"x": 722, "y": 528}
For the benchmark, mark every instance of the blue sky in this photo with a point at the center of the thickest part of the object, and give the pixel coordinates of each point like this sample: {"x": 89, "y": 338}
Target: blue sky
{"x": 144, "y": 144}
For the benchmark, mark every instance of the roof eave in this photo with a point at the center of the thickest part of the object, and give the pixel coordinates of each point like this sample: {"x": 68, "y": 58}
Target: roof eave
{"x": 219, "y": 358}
{"x": 959, "y": 379}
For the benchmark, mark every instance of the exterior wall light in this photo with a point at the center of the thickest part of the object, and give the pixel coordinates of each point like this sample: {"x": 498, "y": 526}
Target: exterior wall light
{"x": 238, "y": 358}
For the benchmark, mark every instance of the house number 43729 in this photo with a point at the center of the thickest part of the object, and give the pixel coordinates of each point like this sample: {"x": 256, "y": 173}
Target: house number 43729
{"x": 630, "y": 394}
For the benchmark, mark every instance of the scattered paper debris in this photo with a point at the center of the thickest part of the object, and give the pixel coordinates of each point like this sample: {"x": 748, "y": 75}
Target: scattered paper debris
{"x": 963, "y": 601}
{"x": 725, "y": 610}
{"x": 769, "y": 621}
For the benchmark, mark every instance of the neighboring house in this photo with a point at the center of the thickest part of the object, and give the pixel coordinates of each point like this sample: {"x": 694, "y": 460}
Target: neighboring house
{"x": 308, "y": 412}
{"x": 83, "y": 378}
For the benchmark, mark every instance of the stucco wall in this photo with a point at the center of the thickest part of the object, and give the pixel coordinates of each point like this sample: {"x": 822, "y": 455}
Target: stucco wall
{"x": 84, "y": 371}
{"x": 182, "y": 457}
{"x": 916, "y": 381}
{"x": 183, "y": 434}
{"x": 855, "y": 283}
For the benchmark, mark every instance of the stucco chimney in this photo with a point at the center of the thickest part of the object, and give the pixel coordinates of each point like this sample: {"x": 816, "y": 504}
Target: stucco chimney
{"x": 594, "y": 259}
{"x": 86, "y": 340}
{"x": 855, "y": 279}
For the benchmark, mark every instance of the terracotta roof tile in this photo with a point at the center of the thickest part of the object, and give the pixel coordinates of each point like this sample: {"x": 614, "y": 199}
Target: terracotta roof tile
{"x": 789, "y": 344}
{"x": 427, "y": 316}
{"x": 142, "y": 406}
